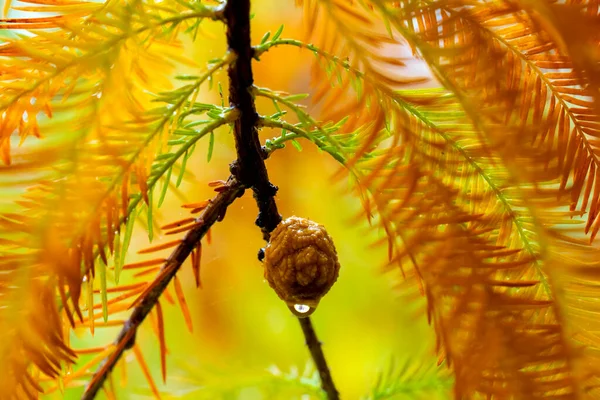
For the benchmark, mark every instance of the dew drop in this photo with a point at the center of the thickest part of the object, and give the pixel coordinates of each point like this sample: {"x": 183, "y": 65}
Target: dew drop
{"x": 301, "y": 308}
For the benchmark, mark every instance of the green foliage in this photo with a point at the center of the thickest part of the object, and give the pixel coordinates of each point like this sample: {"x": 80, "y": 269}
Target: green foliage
{"x": 411, "y": 380}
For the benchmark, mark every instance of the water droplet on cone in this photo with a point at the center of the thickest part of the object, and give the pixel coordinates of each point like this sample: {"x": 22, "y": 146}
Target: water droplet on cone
{"x": 302, "y": 310}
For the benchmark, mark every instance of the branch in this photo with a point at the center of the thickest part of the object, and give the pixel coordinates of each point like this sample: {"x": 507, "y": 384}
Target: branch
{"x": 314, "y": 345}
{"x": 214, "y": 212}
{"x": 250, "y": 167}
{"x": 294, "y": 132}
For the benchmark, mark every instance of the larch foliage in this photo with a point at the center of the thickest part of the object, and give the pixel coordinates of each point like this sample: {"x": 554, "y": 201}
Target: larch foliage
{"x": 484, "y": 180}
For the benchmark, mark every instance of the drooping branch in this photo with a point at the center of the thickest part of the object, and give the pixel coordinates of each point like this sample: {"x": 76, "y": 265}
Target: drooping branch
{"x": 214, "y": 212}
{"x": 250, "y": 166}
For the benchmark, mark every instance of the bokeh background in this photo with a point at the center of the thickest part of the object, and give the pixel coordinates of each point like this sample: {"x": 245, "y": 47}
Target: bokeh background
{"x": 245, "y": 343}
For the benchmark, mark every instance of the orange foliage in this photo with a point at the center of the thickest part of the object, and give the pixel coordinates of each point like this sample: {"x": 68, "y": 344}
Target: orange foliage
{"x": 478, "y": 170}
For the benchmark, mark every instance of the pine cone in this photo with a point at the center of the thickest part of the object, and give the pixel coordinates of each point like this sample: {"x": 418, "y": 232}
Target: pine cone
{"x": 301, "y": 263}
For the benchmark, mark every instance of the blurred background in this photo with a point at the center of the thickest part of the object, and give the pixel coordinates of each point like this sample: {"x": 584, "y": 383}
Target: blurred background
{"x": 245, "y": 343}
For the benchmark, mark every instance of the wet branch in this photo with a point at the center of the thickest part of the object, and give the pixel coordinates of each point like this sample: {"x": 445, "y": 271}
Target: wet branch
{"x": 214, "y": 212}
{"x": 250, "y": 167}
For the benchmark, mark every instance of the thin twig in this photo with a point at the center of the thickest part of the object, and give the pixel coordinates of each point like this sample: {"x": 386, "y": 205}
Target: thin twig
{"x": 250, "y": 167}
{"x": 314, "y": 345}
{"x": 214, "y": 212}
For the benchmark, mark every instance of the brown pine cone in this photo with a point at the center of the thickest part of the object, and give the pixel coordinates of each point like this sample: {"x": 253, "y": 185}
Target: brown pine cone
{"x": 301, "y": 263}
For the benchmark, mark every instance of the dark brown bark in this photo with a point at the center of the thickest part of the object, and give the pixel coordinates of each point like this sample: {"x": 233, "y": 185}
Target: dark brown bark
{"x": 250, "y": 167}
{"x": 314, "y": 345}
{"x": 126, "y": 338}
